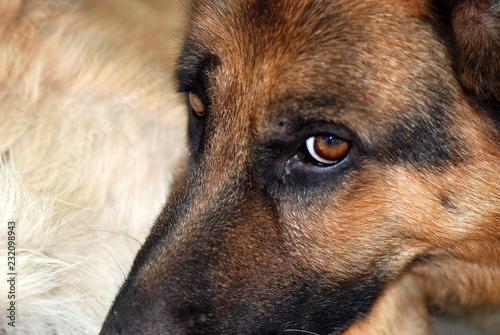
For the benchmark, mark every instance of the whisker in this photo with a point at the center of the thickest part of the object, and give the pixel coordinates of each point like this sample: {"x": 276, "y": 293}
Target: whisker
{"x": 121, "y": 233}
{"x": 114, "y": 259}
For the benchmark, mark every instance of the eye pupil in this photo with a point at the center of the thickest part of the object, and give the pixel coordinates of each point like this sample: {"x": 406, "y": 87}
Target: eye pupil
{"x": 196, "y": 104}
{"x": 327, "y": 149}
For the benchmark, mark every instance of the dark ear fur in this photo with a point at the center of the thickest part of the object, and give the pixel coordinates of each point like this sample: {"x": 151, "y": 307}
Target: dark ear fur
{"x": 476, "y": 24}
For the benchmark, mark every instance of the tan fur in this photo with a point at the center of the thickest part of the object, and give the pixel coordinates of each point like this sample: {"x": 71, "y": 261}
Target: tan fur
{"x": 401, "y": 310}
{"x": 91, "y": 131}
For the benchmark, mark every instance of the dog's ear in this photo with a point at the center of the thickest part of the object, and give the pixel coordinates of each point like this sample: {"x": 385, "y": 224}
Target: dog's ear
{"x": 476, "y": 26}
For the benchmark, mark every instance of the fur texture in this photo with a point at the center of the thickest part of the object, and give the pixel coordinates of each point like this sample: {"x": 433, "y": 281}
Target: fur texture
{"x": 90, "y": 132}
{"x": 91, "y": 135}
{"x": 262, "y": 237}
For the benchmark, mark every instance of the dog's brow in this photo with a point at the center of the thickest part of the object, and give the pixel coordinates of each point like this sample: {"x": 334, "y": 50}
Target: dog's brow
{"x": 315, "y": 101}
{"x": 320, "y": 108}
{"x": 193, "y": 68}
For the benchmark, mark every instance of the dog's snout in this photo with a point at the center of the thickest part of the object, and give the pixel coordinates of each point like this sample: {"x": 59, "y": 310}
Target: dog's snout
{"x": 115, "y": 324}
{"x": 224, "y": 267}
{"x": 108, "y": 328}
{"x": 112, "y": 325}
{"x": 171, "y": 308}
{"x": 204, "y": 268}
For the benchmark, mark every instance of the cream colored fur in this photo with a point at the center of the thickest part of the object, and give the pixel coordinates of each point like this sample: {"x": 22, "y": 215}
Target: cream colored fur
{"x": 90, "y": 132}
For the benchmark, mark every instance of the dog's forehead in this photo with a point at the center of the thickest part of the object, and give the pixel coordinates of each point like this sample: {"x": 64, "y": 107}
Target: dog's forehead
{"x": 371, "y": 58}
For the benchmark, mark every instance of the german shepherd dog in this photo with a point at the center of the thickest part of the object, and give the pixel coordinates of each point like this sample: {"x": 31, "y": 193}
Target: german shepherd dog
{"x": 344, "y": 171}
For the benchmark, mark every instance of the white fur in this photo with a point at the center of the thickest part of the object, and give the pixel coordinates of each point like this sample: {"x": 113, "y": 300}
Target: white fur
{"x": 90, "y": 132}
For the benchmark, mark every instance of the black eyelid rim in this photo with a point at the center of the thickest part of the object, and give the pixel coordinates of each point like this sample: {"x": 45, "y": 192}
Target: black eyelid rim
{"x": 290, "y": 145}
{"x": 322, "y": 128}
{"x": 290, "y": 141}
{"x": 308, "y": 160}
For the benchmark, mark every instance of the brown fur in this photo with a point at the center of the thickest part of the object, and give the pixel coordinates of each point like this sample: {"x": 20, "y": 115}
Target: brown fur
{"x": 256, "y": 238}
{"x": 259, "y": 239}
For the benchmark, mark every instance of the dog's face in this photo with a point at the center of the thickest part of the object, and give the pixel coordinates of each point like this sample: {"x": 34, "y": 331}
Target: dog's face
{"x": 332, "y": 144}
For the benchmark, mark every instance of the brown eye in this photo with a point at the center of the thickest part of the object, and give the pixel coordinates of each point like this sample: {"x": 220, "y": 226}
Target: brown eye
{"x": 196, "y": 104}
{"x": 327, "y": 150}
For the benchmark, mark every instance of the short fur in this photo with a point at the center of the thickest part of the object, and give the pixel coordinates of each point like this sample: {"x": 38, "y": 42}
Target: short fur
{"x": 259, "y": 238}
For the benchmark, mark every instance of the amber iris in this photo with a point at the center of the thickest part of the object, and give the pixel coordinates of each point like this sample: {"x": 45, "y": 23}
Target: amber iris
{"x": 196, "y": 104}
{"x": 327, "y": 149}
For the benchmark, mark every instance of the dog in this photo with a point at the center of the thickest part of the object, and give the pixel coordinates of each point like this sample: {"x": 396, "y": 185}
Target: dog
{"x": 343, "y": 173}
{"x": 91, "y": 132}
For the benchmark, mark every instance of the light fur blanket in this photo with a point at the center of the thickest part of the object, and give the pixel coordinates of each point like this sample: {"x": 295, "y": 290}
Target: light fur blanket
{"x": 91, "y": 130}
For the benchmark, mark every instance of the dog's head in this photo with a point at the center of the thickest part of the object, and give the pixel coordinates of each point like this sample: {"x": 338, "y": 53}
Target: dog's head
{"x": 332, "y": 144}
